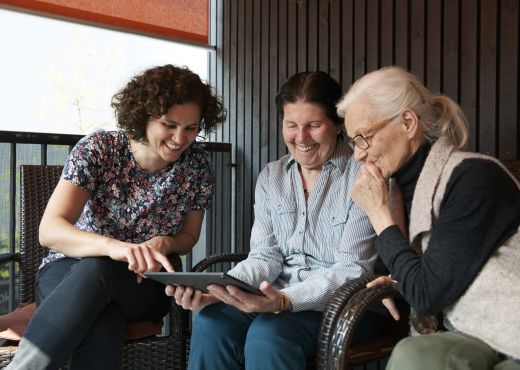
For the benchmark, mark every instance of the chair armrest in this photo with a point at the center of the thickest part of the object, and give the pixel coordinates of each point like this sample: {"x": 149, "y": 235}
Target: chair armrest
{"x": 211, "y": 260}
{"x": 9, "y": 257}
{"x": 337, "y": 353}
{"x": 333, "y": 311}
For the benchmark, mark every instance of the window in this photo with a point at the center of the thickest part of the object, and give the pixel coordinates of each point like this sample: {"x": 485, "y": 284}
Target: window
{"x": 59, "y": 77}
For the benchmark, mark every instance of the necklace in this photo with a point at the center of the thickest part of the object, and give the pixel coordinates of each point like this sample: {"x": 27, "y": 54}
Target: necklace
{"x": 306, "y": 191}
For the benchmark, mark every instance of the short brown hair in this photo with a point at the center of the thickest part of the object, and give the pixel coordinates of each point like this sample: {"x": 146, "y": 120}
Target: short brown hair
{"x": 312, "y": 87}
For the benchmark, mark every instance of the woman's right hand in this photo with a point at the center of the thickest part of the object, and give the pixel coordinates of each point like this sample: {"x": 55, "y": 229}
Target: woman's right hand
{"x": 370, "y": 193}
{"x": 189, "y": 298}
{"x": 141, "y": 258}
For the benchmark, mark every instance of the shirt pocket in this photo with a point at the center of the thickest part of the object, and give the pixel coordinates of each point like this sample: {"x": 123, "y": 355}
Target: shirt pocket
{"x": 284, "y": 217}
{"x": 337, "y": 221}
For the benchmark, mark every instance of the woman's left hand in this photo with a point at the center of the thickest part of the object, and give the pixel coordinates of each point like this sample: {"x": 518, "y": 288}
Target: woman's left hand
{"x": 248, "y": 302}
{"x": 370, "y": 193}
{"x": 387, "y": 302}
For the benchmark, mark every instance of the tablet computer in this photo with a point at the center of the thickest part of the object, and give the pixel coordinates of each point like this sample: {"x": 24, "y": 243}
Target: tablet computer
{"x": 200, "y": 280}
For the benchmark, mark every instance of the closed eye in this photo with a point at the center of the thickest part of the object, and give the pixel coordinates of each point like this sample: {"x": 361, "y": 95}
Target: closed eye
{"x": 169, "y": 124}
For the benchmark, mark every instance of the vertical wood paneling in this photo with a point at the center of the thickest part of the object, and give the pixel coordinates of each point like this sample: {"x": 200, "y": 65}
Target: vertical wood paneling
{"x": 451, "y": 49}
{"x": 335, "y": 40}
{"x": 265, "y": 103}
{"x": 256, "y": 83}
{"x": 488, "y": 81}
{"x": 292, "y": 39}
{"x": 214, "y": 34}
{"x": 235, "y": 109}
{"x": 433, "y": 61}
{"x": 273, "y": 80}
{"x": 372, "y": 37}
{"x": 282, "y": 65}
{"x": 302, "y": 38}
{"x": 347, "y": 44}
{"x": 417, "y": 39}
{"x": 227, "y": 130}
{"x": 224, "y": 57}
{"x": 508, "y": 87}
{"x": 323, "y": 35}
{"x": 312, "y": 35}
{"x": 248, "y": 122}
{"x": 467, "y": 49}
{"x": 387, "y": 33}
{"x": 401, "y": 33}
{"x": 214, "y": 215}
{"x": 360, "y": 36}
{"x": 468, "y": 68}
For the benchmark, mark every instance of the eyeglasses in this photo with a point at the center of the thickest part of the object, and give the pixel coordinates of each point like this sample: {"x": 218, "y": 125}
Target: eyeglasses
{"x": 362, "y": 142}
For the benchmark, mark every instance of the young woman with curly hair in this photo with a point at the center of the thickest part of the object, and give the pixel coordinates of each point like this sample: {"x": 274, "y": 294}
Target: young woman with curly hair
{"x": 125, "y": 201}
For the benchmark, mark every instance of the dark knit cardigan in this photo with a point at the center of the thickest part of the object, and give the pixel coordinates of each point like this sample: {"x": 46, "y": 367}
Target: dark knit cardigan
{"x": 478, "y": 210}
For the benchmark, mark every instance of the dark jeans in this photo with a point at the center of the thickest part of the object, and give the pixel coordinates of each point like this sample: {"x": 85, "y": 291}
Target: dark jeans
{"x": 83, "y": 306}
{"x": 224, "y": 337}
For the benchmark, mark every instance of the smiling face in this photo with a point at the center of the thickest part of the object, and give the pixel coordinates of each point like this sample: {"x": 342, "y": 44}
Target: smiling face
{"x": 309, "y": 134}
{"x": 391, "y": 141}
{"x": 168, "y": 136}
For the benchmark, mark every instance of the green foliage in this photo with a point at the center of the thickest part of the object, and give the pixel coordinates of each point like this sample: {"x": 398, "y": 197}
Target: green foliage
{"x": 4, "y": 271}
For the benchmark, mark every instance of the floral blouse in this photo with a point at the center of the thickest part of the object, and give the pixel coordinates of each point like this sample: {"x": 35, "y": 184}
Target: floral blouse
{"x": 128, "y": 203}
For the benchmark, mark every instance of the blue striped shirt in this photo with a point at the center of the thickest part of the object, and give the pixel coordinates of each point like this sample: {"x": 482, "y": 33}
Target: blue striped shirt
{"x": 308, "y": 248}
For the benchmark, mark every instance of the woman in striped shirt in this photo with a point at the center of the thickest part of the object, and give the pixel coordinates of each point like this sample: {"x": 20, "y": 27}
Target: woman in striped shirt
{"x": 307, "y": 240}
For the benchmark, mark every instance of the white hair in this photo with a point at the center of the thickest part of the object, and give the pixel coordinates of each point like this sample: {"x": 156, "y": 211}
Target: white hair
{"x": 391, "y": 90}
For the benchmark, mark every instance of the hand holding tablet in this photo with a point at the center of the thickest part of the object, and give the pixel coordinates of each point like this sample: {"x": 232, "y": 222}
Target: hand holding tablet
{"x": 200, "y": 280}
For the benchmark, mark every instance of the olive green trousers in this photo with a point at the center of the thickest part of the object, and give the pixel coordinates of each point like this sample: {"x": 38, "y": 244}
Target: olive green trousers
{"x": 447, "y": 351}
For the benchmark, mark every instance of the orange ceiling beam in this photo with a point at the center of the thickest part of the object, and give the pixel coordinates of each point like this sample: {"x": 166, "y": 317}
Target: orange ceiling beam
{"x": 182, "y": 20}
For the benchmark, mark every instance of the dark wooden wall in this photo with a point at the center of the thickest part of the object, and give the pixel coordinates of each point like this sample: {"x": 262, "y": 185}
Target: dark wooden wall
{"x": 467, "y": 49}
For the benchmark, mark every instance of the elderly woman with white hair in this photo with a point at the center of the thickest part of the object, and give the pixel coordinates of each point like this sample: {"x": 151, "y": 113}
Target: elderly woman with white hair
{"x": 461, "y": 257}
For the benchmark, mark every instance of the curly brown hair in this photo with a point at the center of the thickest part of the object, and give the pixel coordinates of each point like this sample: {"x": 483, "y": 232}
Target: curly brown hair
{"x": 152, "y": 93}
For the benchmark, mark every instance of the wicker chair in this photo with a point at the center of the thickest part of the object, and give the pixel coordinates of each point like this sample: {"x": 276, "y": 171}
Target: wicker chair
{"x": 345, "y": 310}
{"x": 151, "y": 352}
{"x": 335, "y": 309}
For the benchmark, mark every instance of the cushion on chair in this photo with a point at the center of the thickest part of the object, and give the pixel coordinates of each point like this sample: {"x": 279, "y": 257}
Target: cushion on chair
{"x": 13, "y": 325}
{"x": 141, "y": 329}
